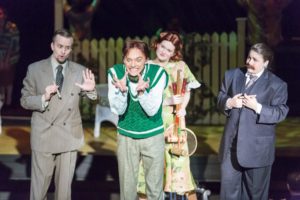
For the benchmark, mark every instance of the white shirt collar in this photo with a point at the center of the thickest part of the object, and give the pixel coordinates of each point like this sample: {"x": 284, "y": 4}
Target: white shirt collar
{"x": 258, "y": 74}
{"x": 54, "y": 65}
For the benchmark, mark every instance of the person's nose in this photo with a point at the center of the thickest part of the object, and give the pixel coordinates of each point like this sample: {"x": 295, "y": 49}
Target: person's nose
{"x": 64, "y": 51}
{"x": 164, "y": 51}
{"x": 249, "y": 61}
{"x": 133, "y": 64}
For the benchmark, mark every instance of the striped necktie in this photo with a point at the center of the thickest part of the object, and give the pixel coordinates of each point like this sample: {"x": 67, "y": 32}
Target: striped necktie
{"x": 252, "y": 79}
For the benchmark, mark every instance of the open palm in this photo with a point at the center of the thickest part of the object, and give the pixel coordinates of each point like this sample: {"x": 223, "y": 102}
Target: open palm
{"x": 88, "y": 81}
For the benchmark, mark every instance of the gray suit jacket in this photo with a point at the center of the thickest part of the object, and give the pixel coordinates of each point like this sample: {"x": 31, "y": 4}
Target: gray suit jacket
{"x": 256, "y": 132}
{"x": 58, "y": 127}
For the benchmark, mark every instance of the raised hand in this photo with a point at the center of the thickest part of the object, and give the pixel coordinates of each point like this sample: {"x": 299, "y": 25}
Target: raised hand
{"x": 120, "y": 83}
{"x": 88, "y": 81}
{"x": 142, "y": 85}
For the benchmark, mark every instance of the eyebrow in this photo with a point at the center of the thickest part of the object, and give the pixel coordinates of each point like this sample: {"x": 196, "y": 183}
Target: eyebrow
{"x": 166, "y": 47}
{"x": 140, "y": 57}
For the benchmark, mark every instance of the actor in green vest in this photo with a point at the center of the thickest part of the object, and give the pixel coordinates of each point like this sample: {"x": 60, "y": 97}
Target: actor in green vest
{"x": 135, "y": 95}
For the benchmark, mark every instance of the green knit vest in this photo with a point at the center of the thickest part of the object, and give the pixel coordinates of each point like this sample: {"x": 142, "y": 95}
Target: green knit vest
{"x": 135, "y": 123}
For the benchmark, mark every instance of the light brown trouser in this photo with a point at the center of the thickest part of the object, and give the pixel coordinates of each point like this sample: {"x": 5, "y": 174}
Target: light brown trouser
{"x": 42, "y": 169}
{"x": 151, "y": 152}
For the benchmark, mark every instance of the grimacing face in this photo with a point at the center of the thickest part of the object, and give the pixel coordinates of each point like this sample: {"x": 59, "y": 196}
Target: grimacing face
{"x": 61, "y": 47}
{"x": 255, "y": 62}
{"x": 165, "y": 50}
{"x": 134, "y": 61}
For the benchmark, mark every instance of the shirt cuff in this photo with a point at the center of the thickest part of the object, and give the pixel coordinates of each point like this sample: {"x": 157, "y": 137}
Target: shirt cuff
{"x": 44, "y": 102}
{"x": 258, "y": 108}
{"x": 92, "y": 94}
{"x": 193, "y": 85}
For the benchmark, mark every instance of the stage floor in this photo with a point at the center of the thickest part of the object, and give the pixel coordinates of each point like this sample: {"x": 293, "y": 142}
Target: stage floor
{"x": 97, "y": 164}
{"x": 15, "y": 139}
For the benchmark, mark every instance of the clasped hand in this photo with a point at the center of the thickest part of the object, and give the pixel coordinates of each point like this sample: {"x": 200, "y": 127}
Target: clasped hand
{"x": 250, "y": 101}
{"x": 241, "y": 100}
{"x": 177, "y": 100}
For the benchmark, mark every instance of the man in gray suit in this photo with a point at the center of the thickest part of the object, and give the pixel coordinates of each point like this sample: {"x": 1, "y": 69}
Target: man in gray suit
{"x": 52, "y": 90}
{"x": 254, "y": 101}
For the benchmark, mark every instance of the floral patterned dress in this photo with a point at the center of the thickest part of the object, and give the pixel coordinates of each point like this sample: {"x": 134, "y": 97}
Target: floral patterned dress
{"x": 177, "y": 177}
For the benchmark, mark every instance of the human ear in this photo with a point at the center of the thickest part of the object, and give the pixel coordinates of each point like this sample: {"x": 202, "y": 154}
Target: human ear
{"x": 266, "y": 63}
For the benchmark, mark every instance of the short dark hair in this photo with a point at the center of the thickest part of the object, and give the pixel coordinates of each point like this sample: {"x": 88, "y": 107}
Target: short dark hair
{"x": 139, "y": 44}
{"x": 264, "y": 50}
{"x": 293, "y": 180}
{"x": 62, "y": 32}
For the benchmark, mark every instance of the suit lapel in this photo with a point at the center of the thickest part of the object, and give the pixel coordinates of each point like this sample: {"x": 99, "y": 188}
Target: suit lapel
{"x": 241, "y": 80}
{"x": 49, "y": 80}
{"x": 47, "y": 69}
{"x": 259, "y": 83}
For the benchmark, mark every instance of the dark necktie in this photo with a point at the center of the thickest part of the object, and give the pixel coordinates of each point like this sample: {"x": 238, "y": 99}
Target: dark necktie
{"x": 252, "y": 79}
{"x": 59, "y": 77}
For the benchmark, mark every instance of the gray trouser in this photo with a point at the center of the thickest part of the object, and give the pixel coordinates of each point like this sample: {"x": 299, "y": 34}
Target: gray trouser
{"x": 151, "y": 152}
{"x": 239, "y": 183}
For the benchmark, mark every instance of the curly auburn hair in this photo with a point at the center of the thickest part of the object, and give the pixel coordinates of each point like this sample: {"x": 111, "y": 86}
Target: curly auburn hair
{"x": 175, "y": 39}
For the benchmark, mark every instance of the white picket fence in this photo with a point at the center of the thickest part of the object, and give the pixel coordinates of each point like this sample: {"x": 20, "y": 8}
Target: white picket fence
{"x": 208, "y": 56}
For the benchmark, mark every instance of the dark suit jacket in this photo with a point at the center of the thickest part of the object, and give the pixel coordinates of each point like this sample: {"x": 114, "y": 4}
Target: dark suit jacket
{"x": 256, "y": 132}
{"x": 58, "y": 128}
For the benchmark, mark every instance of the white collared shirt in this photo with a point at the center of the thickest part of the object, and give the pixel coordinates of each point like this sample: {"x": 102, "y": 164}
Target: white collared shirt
{"x": 257, "y": 75}
{"x": 54, "y": 65}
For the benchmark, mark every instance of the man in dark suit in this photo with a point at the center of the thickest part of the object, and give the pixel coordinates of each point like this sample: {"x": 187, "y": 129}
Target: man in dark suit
{"x": 52, "y": 90}
{"x": 254, "y": 101}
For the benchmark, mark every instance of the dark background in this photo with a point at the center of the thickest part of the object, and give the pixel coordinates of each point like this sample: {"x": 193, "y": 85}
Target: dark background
{"x": 122, "y": 18}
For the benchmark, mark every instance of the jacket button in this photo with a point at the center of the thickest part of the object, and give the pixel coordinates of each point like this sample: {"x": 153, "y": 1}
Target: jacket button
{"x": 51, "y": 124}
{"x": 69, "y": 109}
{"x": 72, "y": 94}
{"x": 48, "y": 109}
{"x": 64, "y": 123}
